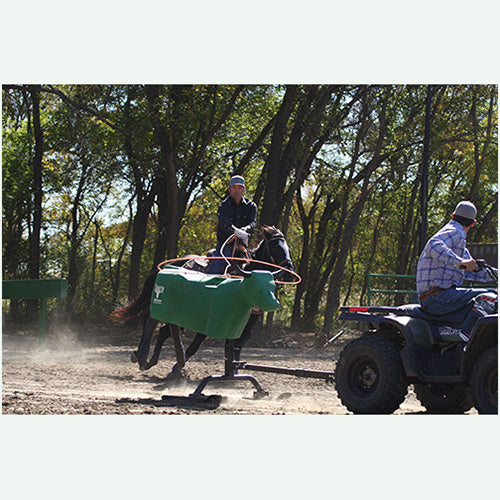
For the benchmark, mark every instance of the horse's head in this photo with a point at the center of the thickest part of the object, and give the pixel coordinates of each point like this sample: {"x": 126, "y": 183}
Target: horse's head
{"x": 272, "y": 248}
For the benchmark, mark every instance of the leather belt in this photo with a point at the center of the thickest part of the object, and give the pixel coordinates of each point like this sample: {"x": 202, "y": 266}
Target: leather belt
{"x": 430, "y": 293}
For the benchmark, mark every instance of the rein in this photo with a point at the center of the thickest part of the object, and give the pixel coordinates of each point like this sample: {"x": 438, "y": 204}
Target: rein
{"x": 269, "y": 253}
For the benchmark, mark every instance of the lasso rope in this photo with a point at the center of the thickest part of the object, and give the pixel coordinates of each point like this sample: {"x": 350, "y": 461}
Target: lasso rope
{"x": 225, "y": 275}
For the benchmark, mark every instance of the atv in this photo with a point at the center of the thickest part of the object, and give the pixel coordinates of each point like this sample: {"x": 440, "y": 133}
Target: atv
{"x": 404, "y": 345}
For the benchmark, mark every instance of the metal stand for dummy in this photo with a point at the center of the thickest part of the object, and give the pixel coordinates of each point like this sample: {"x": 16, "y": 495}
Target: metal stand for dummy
{"x": 232, "y": 365}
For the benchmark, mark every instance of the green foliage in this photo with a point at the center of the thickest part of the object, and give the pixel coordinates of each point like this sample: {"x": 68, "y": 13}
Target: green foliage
{"x": 103, "y": 160}
{"x": 16, "y": 183}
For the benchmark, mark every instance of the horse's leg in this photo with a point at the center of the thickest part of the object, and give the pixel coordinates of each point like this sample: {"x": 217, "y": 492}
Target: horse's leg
{"x": 234, "y": 350}
{"x": 142, "y": 352}
{"x": 178, "y": 347}
{"x": 246, "y": 334}
{"x": 163, "y": 334}
{"x": 195, "y": 344}
{"x": 192, "y": 348}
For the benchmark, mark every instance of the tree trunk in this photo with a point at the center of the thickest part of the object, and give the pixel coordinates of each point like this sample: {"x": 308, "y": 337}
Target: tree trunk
{"x": 276, "y": 172}
{"x": 334, "y": 287}
{"x": 139, "y": 231}
{"x": 302, "y": 269}
{"x": 333, "y": 296}
{"x": 34, "y": 263}
{"x": 376, "y": 233}
{"x": 164, "y": 137}
{"x": 481, "y": 144}
{"x": 161, "y": 247}
{"x": 37, "y": 185}
{"x": 73, "y": 265}
{"x": 486, "y": 225}
{"x": 406, "y": 237}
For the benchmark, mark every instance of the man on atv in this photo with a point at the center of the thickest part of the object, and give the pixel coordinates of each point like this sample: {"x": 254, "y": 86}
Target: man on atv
{"x": 443, "y": 265}
{"x": 237, "y": 215}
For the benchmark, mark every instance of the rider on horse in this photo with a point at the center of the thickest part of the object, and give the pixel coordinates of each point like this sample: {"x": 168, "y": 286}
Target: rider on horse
{"x": 236, "y": 215}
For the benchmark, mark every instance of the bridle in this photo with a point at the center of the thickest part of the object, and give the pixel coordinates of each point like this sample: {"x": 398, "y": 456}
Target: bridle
{"x": 266, "y": 241}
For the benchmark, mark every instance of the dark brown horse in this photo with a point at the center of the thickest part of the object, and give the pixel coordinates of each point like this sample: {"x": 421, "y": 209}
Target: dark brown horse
{"x": 272, "y": 248}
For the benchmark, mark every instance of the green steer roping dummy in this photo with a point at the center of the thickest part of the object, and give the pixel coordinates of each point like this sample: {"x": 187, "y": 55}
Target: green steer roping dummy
{"x": 218, "y": 307}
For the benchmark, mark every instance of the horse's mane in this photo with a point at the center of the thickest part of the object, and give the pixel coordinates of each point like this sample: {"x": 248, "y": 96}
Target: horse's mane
{"x": 268, "y": 232}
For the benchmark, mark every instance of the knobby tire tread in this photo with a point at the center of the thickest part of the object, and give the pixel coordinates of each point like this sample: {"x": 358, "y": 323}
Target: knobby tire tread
{"x": 392, "y": 383}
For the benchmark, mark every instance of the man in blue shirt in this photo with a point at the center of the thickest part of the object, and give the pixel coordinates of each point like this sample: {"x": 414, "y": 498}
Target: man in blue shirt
{"x": 443, "y": 265}
{"x": 237, "y": 215}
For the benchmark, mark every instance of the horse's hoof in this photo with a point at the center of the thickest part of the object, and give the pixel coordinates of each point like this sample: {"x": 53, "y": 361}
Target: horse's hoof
{"x": 133, "y": 357}
{"x": 148, "y": 365}
{"x": 177, "y": 368}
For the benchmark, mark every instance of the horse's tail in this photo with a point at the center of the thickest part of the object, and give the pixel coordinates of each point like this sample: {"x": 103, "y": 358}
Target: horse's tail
{"x": 124, "y": 313}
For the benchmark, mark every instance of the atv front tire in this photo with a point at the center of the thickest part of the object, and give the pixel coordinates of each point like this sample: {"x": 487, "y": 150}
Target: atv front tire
{"x": 370, "y": 377}
{"x": 444, "y": 399}
{"x": 484, "y": 382}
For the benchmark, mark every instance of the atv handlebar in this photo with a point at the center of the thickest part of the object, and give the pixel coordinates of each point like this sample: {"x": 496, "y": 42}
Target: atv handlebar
{"x": 482, "y": 264}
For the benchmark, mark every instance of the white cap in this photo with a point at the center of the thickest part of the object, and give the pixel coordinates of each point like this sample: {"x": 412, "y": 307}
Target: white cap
{"x": 237, "y": 179}
{"x": 466, "y": 209}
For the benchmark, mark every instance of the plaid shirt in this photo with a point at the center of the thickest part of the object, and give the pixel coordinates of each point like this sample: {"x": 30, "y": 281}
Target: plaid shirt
{"x": 439, "y": 262}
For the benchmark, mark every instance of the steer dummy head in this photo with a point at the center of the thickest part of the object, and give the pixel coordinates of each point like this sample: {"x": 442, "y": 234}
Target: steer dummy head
{"x": 258, "y": 288}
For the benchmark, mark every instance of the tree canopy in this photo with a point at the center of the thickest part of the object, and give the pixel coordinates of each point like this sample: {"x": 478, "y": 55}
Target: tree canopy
{"x": 100, "y": 183}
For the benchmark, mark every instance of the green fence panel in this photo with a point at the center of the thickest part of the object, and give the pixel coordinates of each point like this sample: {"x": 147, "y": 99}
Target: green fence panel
{"x": 371, "y": 290}
{"x": 35, "y": 289}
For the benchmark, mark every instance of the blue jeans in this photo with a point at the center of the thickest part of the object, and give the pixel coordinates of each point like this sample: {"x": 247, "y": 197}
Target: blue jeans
{"x": 217, "y": 266}
{"x": 455, "y": 299}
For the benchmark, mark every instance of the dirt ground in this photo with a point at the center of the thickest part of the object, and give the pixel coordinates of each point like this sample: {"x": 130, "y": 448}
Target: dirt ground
{"x": 90, "y": 372}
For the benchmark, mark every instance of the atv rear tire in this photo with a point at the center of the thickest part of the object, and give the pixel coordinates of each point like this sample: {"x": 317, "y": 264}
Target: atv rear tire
{"x": 370, "y": 377}
{"x": 444, "y": 399}
{"x": 484, "y": 382}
